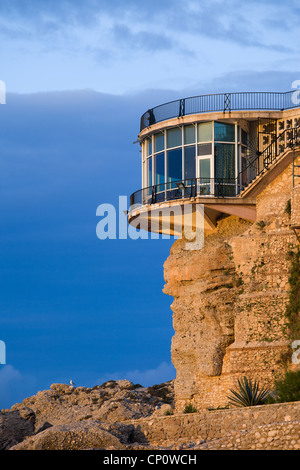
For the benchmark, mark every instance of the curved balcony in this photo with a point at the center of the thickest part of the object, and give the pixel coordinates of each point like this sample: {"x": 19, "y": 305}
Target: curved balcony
{"x": 221, "y": 102}
{"x": 217, "y": 188}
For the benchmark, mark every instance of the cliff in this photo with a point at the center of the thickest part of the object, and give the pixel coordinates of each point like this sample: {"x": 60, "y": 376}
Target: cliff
{"x": 231, "y": 298}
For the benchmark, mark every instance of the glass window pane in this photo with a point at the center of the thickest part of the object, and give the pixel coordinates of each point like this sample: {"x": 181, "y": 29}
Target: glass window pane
{"x": 174, "y": 137}
{"x": 149, "y": 171}
{"x": 160, "y": 168}
{"x": 204, "y": 149}
{"x": 244, "y": 137}
{"x": 204, "y": 167}
{"x": 148, "y": 147}
{"x": 174, "y": 165}
{"x": 189, "y": 134}
{"x": 189, "y": 162}
{"x": 224, "y": 161}
{"x": 205, "y": 132}
{"x": 224, "y": 132}
{"x": 159, "y": 142}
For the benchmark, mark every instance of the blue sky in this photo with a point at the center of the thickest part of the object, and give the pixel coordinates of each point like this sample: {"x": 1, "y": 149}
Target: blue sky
{"x": 78, "y": 76}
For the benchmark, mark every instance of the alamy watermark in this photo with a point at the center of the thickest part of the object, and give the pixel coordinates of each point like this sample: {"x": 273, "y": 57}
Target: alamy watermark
{"x": 296, "y": 93}
{"x": 181, "y": 221}
{"x": 2, "y": 352}
{"x": 2, "y": 92}
{"x": 296, "y": 354}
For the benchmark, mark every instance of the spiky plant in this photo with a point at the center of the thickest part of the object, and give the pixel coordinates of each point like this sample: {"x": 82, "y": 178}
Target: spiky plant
{"x": 189, "y": 408}
{"x": 248, "y": 393}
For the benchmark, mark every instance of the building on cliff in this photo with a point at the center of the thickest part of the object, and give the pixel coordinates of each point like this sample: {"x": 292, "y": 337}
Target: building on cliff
{"x": 237, "y": 155}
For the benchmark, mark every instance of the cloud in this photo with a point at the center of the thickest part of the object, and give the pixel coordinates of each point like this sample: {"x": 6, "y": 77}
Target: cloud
{"x": 119, "y": 46}
{"x": 140, "y": 40}
{"x": 14, "y": 386}
{"x": 170, "y": 21}
{"x": 162, "y": 373}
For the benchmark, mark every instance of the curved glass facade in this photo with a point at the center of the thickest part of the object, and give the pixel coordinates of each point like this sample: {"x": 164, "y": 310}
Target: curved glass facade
{"x": 205, "y": 150}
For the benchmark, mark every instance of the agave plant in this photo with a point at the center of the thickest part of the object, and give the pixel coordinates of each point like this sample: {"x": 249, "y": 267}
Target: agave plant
{"x": 248, "y": 393}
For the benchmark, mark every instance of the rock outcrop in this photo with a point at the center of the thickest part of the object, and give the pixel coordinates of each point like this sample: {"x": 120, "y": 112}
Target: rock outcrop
{"x": 76, "y": 436}
{"x": 77, "y": 418}
{"x": 15, "y": 426}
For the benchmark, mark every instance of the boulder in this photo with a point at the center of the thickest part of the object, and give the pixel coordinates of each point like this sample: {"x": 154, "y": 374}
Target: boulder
{"x": 75, "y": 436}
{"x": 15, "y": 425}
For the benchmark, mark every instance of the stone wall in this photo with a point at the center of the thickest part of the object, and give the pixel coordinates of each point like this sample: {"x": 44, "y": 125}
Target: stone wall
{"x": 229, "y": 302}
{"x": 295, "y": 204}
{"x": 261, "y": 427}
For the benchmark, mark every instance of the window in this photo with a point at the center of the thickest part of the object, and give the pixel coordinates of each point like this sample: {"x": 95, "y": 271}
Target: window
{"x": 204, "y": 149}
{"x": 150, "y": 147}
{"x": 224, "y": 161}
{"x": 160, "y": 169}
{"x": 204, "y": 167}
{"x": 149, "y": 171}
{"x": 190, "y": 162}
{"x": 224, "y": 132}
{"x": 159, "y": 142}
{"x": 182, "y": 153}
{"x": 174, "y": 165}
{"x": 189, "y": 134}
{"x": 205, "y": 132}
{"x": 244, "y": 137}
{"x": 174, "y": 137}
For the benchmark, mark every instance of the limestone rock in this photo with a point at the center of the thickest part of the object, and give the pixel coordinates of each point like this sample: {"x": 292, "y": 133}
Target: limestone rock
{"x": 15, "y": 425}
{"x": 109, "y": 403}
{"x": 163, "y": 410}
{"x": 75, "y": 436}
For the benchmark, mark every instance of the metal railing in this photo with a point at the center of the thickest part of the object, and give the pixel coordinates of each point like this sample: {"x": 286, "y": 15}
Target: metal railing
{"x": 185, "y": 189}
{"x": 271, "y": 101}
{"x": 218, "y": 187}
{"x": 287, "y": 139}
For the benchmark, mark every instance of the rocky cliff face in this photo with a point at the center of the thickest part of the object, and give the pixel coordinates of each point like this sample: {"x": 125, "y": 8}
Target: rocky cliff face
{"x": 229, "y": 302}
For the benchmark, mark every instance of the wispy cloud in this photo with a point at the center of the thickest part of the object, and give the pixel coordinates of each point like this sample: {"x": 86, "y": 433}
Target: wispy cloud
{"x": 148, "y": 377}
{"x": 119, "y": 46}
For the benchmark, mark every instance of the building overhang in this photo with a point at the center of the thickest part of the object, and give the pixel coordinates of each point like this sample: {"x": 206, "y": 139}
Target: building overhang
{"x": 168, "y": 217}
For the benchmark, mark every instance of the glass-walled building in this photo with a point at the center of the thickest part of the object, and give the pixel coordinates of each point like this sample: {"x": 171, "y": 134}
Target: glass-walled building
{"x": 206, "y": 151}
{"x": 212, "y": 147}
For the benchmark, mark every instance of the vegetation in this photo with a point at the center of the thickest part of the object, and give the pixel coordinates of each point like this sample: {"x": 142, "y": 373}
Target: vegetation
{"x": 288, "y": 207}
{"x": 189, "y": 408}
{"x": 261, "y": 224}
{"x": 293, "y": 306}
{"x": 248, "y": 394}
{"x": 287, "y": 389}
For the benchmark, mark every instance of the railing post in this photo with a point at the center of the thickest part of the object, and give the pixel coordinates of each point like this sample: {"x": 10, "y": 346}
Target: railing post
{"x": 153, "y": 195}
{"x": 227, "y": 102}
{"x": 181, "y": 108}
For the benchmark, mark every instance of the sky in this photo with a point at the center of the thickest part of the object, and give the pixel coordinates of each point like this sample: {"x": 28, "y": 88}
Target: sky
{"x": 78, "y": 77}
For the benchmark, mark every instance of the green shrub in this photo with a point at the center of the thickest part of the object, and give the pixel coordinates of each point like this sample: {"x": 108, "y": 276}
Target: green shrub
{"x": 248, "y": 394}
{"x": 261, "y": 224}
{"x": 189, "y": 408}
{"x": 293, "y": 306}
{"x": 287, "y": 389}
{"x": 288, "y": 207}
